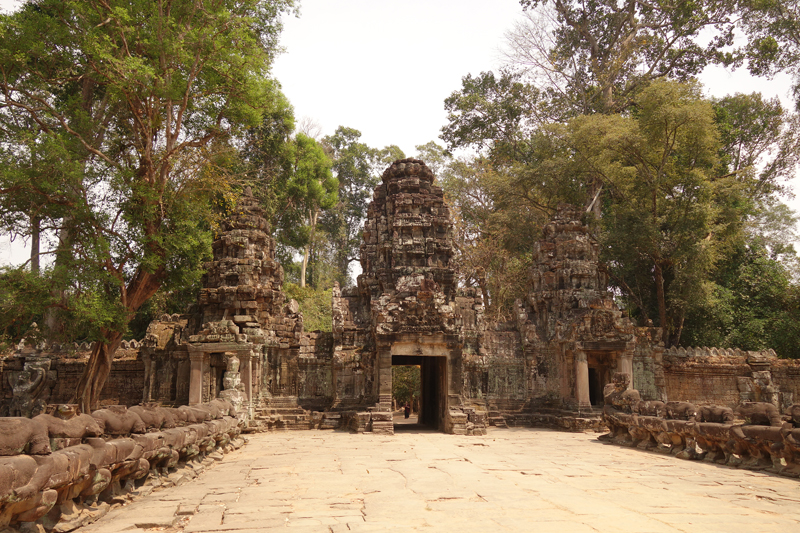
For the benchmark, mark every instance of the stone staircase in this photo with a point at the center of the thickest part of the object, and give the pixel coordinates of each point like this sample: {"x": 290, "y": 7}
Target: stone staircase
{"x": 496, "y": 419}
{"x": 280, "y": 414}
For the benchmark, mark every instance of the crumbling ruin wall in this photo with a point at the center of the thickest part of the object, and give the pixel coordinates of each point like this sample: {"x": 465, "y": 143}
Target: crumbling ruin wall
{"x": 495, "y": 377}
{"x": 353, "y": 362}
{"x": 123, "y": 387}
{"x": 730, "y": 376}
{"x": 648, "y": 366}
{"x": 705, "y": 381}
{"x": 574, "y": 334}
{"x": 786, "y": 376}
{"x": 315, "y": 372}
{"x": 166, "y": 361}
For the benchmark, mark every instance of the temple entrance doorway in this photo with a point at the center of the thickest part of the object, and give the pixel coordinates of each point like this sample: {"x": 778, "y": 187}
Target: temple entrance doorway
{"x": 432, "y": 387}
{"x": 601, "y": 365}
{"x": 406, "y": 392}
{"x": 595, "y": 390}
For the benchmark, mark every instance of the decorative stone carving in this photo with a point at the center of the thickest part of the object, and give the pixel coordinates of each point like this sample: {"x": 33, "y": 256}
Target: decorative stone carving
{"x": 234, "y": 388}
{"x": 31, "y": 387}
{"x": 405, "y": 254}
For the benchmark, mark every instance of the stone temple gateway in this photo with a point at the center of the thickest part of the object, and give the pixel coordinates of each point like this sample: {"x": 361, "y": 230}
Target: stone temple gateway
{"x": 245, "y": 342}
{"x": 406, "y": 296}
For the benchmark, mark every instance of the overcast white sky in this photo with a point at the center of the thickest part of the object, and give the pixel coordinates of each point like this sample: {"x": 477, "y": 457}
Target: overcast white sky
{"x": 385, "y": 68}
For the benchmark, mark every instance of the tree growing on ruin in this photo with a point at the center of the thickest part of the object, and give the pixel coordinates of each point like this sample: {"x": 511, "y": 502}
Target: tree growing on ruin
{"x": 136, "y": 93}
{"x": 668, "y": 215}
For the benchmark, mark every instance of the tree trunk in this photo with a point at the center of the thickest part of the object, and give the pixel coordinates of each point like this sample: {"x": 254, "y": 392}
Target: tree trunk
{"x": 662, "y": 304}
{"x": 676, "y": 338}
{"x": 36, "y": 231}
{"x": 313, "y": 215}
{"x": 52, "y": 318}
{"x": 306, "y": 251}
{"x": 139, "y": 290}
{"x": 97, "y": 370}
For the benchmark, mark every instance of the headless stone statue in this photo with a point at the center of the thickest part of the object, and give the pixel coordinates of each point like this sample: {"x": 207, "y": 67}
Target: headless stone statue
{"x": 31, "y": 388}
{"x": 234, "y": 388}
{"x": 619, "y": 405}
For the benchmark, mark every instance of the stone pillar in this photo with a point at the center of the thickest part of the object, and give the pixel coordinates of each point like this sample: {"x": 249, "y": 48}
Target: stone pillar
{"x": 625, "y": 365}
{"x": 249, "y": 386}
{"x": 196, "y": 378}
{"x": 147, "y": 390}
{"x": 247, "y": 375}
{"x": 582, "y": 381}
{"x": 385, "y": 377}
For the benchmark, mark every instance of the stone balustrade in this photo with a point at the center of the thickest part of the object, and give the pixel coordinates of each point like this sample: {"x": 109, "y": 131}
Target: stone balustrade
{"x": 754, "y": 435}
{"x": 63, "y": 470}
{"x": 704, "y": 352}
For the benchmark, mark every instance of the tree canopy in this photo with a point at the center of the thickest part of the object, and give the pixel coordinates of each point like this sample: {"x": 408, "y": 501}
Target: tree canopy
{"x": 130, "y": 100}
{"x": 597, "y": 105}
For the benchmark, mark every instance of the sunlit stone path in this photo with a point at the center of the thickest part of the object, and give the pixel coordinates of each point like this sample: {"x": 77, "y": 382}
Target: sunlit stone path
{"x": 510, "y": 480}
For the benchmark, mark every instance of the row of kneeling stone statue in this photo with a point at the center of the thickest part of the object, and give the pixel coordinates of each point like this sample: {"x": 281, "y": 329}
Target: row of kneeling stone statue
{"x": 63, "y": 470}
{"x": 753, "y": 435}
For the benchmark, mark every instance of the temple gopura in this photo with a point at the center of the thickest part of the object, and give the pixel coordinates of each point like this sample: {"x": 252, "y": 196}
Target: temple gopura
{"x": 245, "y": 342}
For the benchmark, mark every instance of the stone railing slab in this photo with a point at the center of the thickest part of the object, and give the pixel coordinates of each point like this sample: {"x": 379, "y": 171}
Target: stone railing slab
{"x": 62, "y": 487}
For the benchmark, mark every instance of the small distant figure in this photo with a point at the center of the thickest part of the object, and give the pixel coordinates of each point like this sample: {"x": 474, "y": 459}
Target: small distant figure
{"x": 407, "y": 410}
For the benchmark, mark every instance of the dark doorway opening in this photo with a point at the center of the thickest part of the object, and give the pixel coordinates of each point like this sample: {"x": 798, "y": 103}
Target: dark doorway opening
{"x": 595, "y": 388}
{"x": 432, "y": 391}
{"x": 406, "y": 391}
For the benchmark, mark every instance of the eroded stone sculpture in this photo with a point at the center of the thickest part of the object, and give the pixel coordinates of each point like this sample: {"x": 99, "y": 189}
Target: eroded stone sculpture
{"x": 233, "y": 387}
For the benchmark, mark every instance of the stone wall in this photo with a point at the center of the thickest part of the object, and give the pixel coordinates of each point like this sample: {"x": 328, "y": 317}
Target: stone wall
{"x": 729, "y": 376}
{"x": 496, "y": 376}
{"x": 124, "y": 385}
{"x": 315, "y": 372}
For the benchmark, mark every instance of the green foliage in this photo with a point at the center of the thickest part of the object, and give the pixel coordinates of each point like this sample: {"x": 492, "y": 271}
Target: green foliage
{"x": 596, "y": 55}
{"x": 135, "y": 101}
{"x": 492, "y": 112}
{"x": 406, "y": 384}
{"x": 315, "y": 304}
{"x": 494, "y": 229}
{"x": 23, "y": 299}
{"x": 308, "y": 187}
{"x": 357, "y": 168}
{"x": 773, "y": 39}
{"x": 753, "y": 306}
{"x": 668, "y": 216}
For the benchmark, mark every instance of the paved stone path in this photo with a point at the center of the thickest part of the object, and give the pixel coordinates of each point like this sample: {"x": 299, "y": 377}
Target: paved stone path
{"x": 510, "y": 480}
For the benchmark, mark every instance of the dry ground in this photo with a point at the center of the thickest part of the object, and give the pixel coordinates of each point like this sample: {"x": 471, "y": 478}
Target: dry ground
{"x": 511, "y": 480}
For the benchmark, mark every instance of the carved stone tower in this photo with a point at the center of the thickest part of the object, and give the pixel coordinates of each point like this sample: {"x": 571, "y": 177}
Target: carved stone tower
{"x": 408, "y": 286}
{"x": 242, "y": 306}
{"x": 574, "y": 314}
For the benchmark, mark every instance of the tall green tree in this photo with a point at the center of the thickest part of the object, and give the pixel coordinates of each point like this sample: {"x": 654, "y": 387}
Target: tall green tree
{"x": 595, "y": 56}
{"x": 358, "y": 168}
{"x": 760, "y": 142}
{"x": 137, "y": 92}
{"x": 667, "y": 217}
{"x": 495, "y": 114}
{"x": 772, "y": 28}
{"x": 267, "y": 156}
{"x": 314, "y": 189}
